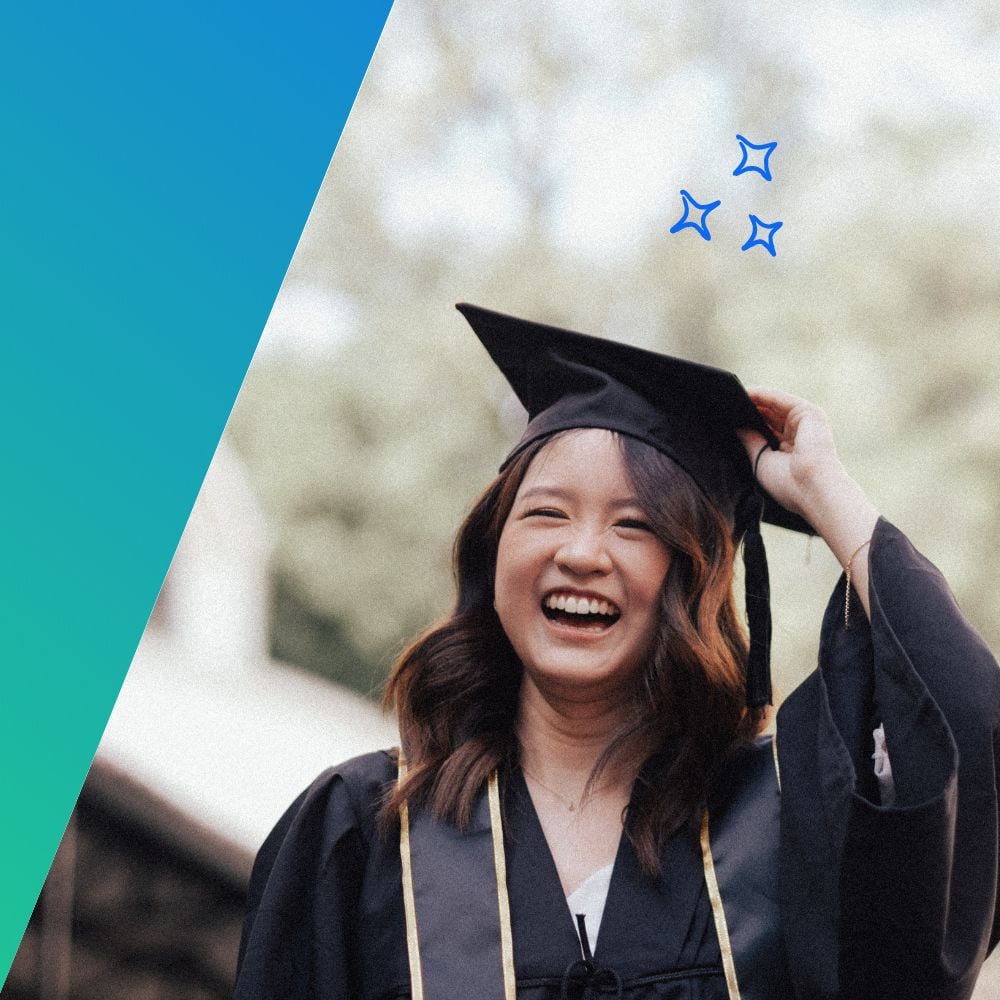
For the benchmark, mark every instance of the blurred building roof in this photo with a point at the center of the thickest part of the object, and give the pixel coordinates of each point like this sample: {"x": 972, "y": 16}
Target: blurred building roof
{"x": 210, "y": 739}
{"x": 208, "y": 743}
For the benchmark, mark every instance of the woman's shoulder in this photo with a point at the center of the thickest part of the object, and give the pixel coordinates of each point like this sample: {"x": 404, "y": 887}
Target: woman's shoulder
{"x": 365, "y": 773}
{"x": 308, "y": 873}
{"x": 341, "y": 802}
{"x": 750, "y": 769}
{"x": 357, "y": 786}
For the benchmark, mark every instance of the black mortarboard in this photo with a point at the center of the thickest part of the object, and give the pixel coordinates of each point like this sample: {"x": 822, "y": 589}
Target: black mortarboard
{"x": 686, "y": 410}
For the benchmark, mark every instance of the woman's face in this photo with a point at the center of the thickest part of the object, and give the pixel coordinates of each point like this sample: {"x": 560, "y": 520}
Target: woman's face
{"x": 579, "y": 571}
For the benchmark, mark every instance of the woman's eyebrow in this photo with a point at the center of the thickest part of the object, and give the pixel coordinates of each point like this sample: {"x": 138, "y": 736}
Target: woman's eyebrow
{"x": 560, "y": 493}
{"x": 547, "y": 491}
{"x": 626, "y": 502}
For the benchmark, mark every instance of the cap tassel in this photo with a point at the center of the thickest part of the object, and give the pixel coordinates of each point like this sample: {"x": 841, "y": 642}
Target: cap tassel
{"x": 758, "y": 604}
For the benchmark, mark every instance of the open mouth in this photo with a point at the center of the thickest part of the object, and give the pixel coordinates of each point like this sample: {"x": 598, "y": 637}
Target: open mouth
{"x": 580, "y": 612}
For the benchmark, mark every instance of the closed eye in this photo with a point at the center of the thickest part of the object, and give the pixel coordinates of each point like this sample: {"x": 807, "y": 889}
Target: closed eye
{"x": 544, "y": 512}
{"x": 631, "y": 522}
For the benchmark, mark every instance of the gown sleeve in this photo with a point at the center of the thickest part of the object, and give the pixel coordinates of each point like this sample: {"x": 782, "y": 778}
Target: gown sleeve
{"x": 892, "y": 901}
{"x": 304, "y": 892}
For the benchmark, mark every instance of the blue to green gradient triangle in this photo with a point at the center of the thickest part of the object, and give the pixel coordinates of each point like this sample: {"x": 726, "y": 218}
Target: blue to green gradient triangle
{"x": 158, "y": 163}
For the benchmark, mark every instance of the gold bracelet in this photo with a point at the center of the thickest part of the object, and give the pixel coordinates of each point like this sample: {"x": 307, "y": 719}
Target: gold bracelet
{"x": 847, "y": 589}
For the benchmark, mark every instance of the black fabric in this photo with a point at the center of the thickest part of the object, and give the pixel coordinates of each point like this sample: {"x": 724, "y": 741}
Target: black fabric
{"x": 875, "y": 902}
{"x": 687, "y": 410}
{"x": 326, "y": 916}
{"x": 452, "y": 872}
{"x": 743, "y": 812}
{"x": 902, "y": 899}
{"x": 757, "y": 593}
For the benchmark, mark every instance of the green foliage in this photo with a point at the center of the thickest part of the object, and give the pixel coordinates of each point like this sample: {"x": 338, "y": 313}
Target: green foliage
{"x": 455, "y": 179}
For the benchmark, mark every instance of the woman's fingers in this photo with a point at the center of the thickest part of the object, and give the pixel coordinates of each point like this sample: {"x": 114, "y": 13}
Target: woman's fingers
{"x": 769, "y": 465}
{"x": 805, "y": 452}
{"x": 787, "y": 415}
{"x": 776, "y": 399}
{"x": 781, "y": 410}
{"x": 753, "y": 441}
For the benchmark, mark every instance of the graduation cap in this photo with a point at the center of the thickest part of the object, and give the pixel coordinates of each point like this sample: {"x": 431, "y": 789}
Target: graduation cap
{"x": 688, "y": 411}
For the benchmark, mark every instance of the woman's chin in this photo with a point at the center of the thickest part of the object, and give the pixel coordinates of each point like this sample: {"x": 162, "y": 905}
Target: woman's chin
{"x": 581, "y": 677}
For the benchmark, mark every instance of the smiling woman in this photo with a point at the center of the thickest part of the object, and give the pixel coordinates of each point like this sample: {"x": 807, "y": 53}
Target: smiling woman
{"x": 583, "y": 804}
{"x": 577, "y": 541}
{"x": 623, "y": 685}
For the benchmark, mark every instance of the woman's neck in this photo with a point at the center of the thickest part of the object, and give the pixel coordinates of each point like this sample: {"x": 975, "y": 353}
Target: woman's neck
{"x": 580, "y": 813}
{"x": 560, "y": 739}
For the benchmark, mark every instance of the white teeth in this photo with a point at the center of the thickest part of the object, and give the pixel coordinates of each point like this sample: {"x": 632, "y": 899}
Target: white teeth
{"x": 579, "y": 605}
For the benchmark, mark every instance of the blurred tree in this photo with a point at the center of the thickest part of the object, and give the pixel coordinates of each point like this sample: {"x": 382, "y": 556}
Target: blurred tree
{"x": 537, "y": 172}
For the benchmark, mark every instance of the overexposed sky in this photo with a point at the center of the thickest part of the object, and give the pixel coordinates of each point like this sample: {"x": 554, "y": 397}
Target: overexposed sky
{"x": 632, "y": 111}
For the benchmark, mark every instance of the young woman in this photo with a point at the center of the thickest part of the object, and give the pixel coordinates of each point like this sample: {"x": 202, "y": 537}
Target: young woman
{"x": 583, "y": 805}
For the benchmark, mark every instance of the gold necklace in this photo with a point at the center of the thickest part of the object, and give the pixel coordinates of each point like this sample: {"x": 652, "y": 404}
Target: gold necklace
{"x": 570, "y": 804}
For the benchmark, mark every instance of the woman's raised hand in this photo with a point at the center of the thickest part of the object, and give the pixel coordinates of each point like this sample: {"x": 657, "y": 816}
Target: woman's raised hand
{"x": 807, "y": 456}
{"x": 806, "y": 476}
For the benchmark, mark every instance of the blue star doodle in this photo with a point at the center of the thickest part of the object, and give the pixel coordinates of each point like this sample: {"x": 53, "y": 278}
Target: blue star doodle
{"x": 755, "y": 240}
{"x": 701, "y": 226}
{"x": 762, "y": 168}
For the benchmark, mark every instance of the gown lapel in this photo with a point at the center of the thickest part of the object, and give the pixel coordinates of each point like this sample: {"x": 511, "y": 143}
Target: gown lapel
{"x": 659, "y": 928}
{"x": 647, "y": 924}
{"x": 545, "y": 937}
{"x": 650, "y": 923}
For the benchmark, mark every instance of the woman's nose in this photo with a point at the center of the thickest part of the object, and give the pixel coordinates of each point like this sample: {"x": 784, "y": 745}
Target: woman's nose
{"x": 583, "y": 551}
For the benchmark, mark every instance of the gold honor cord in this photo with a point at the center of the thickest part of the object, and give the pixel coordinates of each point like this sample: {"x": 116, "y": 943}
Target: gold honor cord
{"x": 500, "y": 869}
{"x": 500, "y": 864}
{"x": 715, "y": 897}
{"x": 409, "y": 906}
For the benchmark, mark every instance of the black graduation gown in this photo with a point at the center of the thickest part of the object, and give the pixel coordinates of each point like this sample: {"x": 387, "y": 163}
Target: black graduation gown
{"x": 326, "y": 912}
{"x": 892, "y": 902}
{"x": 875, "y": 902}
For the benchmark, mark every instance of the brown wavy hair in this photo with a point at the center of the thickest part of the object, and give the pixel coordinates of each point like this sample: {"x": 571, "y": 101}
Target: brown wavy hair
{"x": 456, "y": 688}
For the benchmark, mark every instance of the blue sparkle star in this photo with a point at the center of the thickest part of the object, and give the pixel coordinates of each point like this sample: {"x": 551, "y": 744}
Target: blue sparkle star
{"x": 756, "y": 241}
{"x": 767, "y": 148}
{"x": 701, "y": 226}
